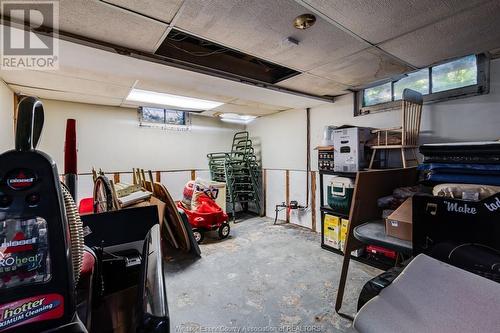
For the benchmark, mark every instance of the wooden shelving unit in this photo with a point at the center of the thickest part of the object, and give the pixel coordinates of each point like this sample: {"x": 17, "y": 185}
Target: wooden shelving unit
{"x": 325, "y": 209}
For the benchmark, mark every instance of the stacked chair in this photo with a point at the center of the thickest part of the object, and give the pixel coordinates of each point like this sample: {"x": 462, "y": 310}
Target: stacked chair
{"x": 240, "y": 171}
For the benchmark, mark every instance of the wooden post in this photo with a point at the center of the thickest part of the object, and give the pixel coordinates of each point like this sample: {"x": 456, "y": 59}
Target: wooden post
{"x": 264, "y": 192}
{"x": 287, "y": 194}
{"x": 158, "y": 176}
{"x": 116, "y": 177}
{"x": 193, "y": 174}
{"x": 313, "y": 200}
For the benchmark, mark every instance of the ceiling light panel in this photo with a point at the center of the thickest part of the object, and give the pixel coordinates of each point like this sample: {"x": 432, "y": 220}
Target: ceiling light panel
{"x": 236, "y": 118}
{"x": 156, "y": 98}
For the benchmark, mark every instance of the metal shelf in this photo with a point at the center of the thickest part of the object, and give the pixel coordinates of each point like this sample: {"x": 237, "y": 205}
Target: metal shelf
{"x": 337, "y": 173}
{"x": 329, "y": 210}
{"x": 362, "y": 259}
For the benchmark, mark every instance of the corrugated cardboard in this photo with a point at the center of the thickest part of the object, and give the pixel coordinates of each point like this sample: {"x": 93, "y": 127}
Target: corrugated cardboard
{"x": 399, "y": 223}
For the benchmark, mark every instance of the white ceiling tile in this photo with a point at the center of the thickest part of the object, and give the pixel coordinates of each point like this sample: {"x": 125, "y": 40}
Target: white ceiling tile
{"x": 257, "y": 105}
{"x": 66, "y": 96}
{"x": 95, "y": 67}
{"x": 163, "y": 10}
{"x": 361, "y": 68}
{"x": 51, "y": 81}
{"x": 195, "y": 91}
{"x": 259, "y": 27}
{"x": 314, "y": 85}
{"x": 381, "y": 20}
{"x": 100, "y": 21}
{"x": 469, "y": 32}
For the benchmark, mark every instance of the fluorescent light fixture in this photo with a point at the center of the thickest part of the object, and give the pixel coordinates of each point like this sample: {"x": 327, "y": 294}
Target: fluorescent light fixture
{"x": 236, "y": 118}
{"x": 188, "y": 103}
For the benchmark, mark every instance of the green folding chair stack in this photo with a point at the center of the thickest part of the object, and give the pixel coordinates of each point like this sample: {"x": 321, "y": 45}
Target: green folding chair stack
{"x": 241, "y": 172}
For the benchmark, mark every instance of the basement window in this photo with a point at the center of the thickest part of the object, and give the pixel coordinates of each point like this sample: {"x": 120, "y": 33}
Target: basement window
{"x": 162, "y": 118}
{"x": 463, "y": 77}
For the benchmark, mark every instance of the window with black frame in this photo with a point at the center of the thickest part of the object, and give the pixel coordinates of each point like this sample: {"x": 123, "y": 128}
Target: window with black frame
{"x": 462, "y": 77}
{"x": 164, "y": 118}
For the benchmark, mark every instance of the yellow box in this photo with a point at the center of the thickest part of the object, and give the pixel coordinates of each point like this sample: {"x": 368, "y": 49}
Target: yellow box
{"x": 343, "y": 233}
{"x": 331, "y": 231}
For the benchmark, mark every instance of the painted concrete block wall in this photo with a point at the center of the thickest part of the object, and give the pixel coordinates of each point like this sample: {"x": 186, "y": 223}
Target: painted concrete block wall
{"x": 282, "y": 136}
{"x": 298, "y": 184}
{"x": 276, "y": 183}
{"x": 6, "y": 118}
{"x": 281, "y": 139}
{"x": 110, "y": 138}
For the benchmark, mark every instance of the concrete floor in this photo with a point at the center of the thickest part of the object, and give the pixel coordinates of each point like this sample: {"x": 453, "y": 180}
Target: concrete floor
{"x": 263, "y": 278}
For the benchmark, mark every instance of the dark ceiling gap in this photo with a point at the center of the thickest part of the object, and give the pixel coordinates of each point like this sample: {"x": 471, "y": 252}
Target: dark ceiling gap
{"x": 193, "y": 49}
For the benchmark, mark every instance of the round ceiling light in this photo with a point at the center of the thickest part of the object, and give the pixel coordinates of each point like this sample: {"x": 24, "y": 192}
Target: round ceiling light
{"x": 304, "y": 21}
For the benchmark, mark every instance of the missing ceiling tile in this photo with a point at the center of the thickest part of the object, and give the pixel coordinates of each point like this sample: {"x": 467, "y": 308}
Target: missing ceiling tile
{"x": 194, "y": 50}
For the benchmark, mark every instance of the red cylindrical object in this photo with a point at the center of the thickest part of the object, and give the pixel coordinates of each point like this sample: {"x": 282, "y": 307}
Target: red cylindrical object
{"x": 70, "y": 154}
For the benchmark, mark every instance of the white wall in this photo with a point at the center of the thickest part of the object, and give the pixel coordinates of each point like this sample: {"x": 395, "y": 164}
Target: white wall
{"x": 6, "y": 118}
{"x": 110, "y": 138}
{"x": 282, "y": 136}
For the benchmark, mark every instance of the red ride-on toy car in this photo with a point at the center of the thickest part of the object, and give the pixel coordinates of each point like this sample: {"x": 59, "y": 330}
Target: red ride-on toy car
{"x": 206, "y": 216}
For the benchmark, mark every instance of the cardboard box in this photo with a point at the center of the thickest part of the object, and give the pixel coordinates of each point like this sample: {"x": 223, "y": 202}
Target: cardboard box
{"x": 344, "y": 224}
{"x": 331, "y": 231}
{"x": 349, "y": 146}
{"x": 221, "y": 196}
{"x": 399, "y": 223}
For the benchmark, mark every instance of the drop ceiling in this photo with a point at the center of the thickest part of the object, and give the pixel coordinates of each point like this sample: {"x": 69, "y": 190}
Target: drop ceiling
{"x": 352, "y": 43}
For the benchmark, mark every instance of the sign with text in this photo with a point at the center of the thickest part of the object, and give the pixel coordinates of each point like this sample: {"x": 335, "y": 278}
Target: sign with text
{"x": 29, "y": 35}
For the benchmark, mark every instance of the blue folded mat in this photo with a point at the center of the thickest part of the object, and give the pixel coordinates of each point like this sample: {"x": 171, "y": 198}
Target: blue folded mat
{"x": 482, "y": 169}
{"x": 462, "y": 178}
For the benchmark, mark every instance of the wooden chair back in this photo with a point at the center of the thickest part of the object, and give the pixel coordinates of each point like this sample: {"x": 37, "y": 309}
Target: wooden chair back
{"x": 411, "y": 117}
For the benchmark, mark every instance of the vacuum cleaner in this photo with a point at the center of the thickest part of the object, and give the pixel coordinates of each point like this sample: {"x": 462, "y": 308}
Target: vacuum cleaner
{"x": 48, "y": 278}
